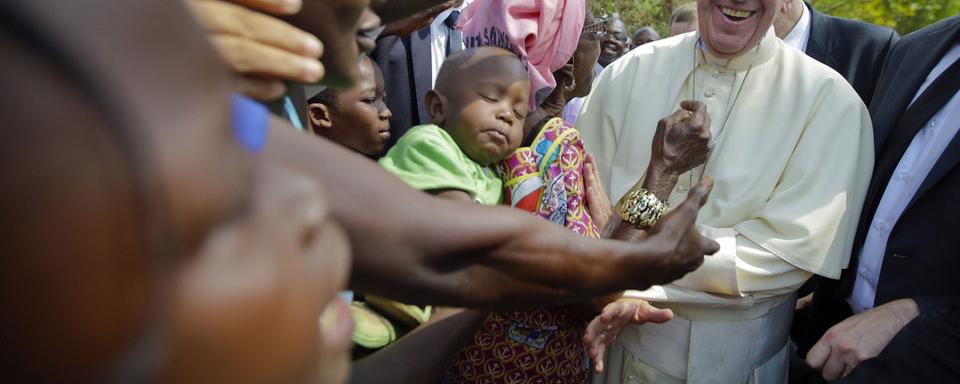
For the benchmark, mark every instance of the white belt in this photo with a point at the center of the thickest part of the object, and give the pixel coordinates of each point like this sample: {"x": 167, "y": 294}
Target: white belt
{"x": 713, "y": 351}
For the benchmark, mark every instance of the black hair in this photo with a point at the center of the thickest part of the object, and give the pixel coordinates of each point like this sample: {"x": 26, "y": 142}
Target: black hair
{"x": 328, "y": 96}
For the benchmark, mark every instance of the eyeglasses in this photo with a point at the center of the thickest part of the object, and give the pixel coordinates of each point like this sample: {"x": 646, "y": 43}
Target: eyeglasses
{"x": 596, "y": 29}
{"x": 620, "y": 37}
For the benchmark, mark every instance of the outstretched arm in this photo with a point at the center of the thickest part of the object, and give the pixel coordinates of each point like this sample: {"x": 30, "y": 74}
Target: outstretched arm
{"x": 419, "y": 249}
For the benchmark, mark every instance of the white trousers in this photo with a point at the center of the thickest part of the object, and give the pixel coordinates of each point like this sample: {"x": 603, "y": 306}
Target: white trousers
{"x": 728, "y": 351}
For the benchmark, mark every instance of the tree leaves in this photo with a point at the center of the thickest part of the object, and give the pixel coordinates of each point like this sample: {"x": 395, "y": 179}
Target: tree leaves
{"x": 639, "y": 13}
{"x": 902, "y": 15}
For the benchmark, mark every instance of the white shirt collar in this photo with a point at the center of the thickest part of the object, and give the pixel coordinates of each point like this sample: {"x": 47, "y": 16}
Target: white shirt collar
{"x": 439, "y": 33}
{"x": 442, "y": 16}
{"x": 800, "y": 33}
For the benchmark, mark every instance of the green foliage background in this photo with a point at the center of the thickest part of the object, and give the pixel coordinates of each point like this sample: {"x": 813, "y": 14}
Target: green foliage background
{"x": 904, "y": 16}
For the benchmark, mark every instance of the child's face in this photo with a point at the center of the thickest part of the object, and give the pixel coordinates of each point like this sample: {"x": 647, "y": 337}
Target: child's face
{"x": 361, "y": 119}
{"x": 486, "y": 104}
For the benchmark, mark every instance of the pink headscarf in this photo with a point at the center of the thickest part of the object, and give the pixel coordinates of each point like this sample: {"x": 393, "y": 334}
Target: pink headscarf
{"x": 543, "y": 34}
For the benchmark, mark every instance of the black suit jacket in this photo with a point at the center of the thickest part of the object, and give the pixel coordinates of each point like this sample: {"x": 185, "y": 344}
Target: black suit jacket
{"x": 853, "y": 48}
{"x": 407, "y": 75}
{"x": 922, "y": 257}
{"x": 923, "y": 252}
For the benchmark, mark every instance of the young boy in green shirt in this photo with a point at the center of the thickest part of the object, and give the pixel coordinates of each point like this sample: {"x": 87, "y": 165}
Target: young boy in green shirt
{"x": 477, "y": 108}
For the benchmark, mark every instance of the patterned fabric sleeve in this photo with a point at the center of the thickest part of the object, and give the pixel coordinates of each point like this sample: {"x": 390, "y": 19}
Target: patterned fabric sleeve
{"x": 546, "y": 178}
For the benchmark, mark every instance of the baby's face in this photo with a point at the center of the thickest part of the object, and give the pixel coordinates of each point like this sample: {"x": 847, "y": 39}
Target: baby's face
{"x": 486, "y": 108}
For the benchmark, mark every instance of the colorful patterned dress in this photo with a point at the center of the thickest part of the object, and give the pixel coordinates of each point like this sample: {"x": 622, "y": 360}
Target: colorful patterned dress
{"x": 538, "y": 346}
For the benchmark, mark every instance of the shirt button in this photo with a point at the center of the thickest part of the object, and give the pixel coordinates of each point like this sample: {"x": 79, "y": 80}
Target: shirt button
{"x": 710, "y": 93}
{"x": 933, "y": 122}
{"x": 632, "y": 378}
{"x": 862, "y": 272}
{"x": 882, "y": 226}
{"x": 717, "y": 74}
{"x": 681, "y": 189}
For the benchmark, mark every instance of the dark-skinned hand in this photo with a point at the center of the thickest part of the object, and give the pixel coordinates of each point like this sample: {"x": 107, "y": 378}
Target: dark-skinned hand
{"x": 682, "y": 140}
{"x": 598, "y": 204}
{"x": 423, "y": 19}
{"x": 683, "y": 246}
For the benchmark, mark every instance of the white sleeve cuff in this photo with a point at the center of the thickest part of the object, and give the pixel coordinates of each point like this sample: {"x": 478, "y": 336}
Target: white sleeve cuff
{"x": 718, "y": 274}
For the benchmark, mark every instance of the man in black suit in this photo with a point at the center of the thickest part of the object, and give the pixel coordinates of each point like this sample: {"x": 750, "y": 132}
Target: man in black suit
{"x": 854, "y": 49}
{"x": 409, "y": 66}
{"x": 902, "y": 281}
{"x": 405, "y": 63}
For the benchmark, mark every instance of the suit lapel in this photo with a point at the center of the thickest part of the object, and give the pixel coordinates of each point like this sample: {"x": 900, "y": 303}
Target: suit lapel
{"x": 951, "y": 155}
{"x": 422, "y": 71}
{"x": 916, "y": 64}
{"x": 821, "y": 43}
{"x": 912, "y": 69}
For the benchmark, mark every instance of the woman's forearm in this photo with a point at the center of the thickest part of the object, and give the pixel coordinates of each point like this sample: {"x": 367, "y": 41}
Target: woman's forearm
{"x": 659, "y": 181}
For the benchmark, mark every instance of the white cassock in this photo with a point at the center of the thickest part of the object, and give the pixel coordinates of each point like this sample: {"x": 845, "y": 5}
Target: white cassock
{"x": 790, "y": 174}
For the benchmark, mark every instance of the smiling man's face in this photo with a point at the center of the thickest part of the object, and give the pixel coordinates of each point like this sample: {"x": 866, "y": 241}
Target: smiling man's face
{"x": 615, "y": 43}
{"x": 732, "y": 27}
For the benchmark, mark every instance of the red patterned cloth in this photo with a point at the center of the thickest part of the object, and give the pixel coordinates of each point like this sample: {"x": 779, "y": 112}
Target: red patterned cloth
{"x": 528, "y": 347}
{"x": 539, "y": 346}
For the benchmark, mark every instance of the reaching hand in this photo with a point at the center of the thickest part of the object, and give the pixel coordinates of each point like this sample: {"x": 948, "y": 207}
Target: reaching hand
{"x": 262, "y": 49}
{"x": 422, "y": 19}
{"x": 604, "y": 329}
{"x": 860, "y": 337}
{"x": 682, "y": 139}
{"x": 684, "y": 246}
{"x": 601, "y": 210}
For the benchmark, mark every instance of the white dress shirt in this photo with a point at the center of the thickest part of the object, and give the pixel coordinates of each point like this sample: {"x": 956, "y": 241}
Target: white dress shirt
{"x": 800, "y": 34}
{"x": 439, "y": 33}
{"x": 916, "y": 163}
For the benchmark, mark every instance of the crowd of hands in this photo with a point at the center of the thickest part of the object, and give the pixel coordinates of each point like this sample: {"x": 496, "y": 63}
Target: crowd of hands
{"x": 261, "y": 42}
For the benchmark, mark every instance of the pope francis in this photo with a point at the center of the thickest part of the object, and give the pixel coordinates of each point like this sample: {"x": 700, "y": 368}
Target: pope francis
{"x": 790, "y": 152}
